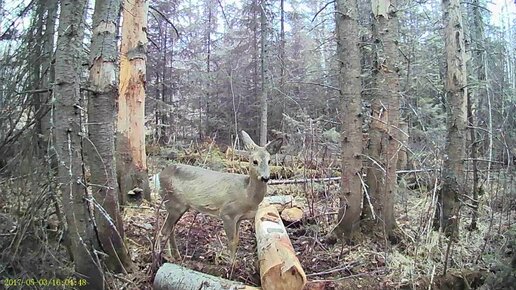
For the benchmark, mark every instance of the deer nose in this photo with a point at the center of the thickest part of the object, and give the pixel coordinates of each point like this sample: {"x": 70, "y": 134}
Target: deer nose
{"x": 265, "y": 179}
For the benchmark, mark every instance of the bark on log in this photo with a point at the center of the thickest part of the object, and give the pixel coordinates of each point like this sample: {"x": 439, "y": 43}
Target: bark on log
{"x": 281, "y": 202}
{"x": 279, "y": 267}
{"x": 174, "y": 277}
{"x": 279, "y": 199}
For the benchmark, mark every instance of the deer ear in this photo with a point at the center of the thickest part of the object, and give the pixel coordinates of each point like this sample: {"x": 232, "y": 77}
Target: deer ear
{"x": 248, "y": 142}
{"x": 274, "y": 146}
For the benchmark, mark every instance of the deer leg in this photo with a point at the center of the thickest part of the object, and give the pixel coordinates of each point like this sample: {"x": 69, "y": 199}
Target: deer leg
{"x": 175, "y": 212}
{"x": 231, "y": 226}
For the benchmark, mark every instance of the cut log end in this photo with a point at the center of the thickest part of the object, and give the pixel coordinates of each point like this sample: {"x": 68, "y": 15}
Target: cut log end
{"x": 292, "y": 216}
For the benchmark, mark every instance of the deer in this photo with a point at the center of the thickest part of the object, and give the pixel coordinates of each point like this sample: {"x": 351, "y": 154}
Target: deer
{"x": 229, "y": 196}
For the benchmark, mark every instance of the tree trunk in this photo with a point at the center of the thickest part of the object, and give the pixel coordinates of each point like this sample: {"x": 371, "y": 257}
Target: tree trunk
{"x": 249, "y": 105}
{"x": 101, "y": 119}
{"x": 375, "y": 151}
{"x": 68, "y": 147}
{"x": 403, "y": 139}
{"x": 388, "y": 85}
{"x": 46, "y": 76}
{"x": 447, "y": 214}
{"x": 163, "y": 112}
{"x": 36, "y": 35}
{"x": 208, "y": 69}
{"x": 348, "y": 58}
{"x": 282, "y": 45}
{"x": 279, "y": 106}
{"x": 478, "y": 35}
{"x": 265, "y": 71}
{"x": 131, "y": 157}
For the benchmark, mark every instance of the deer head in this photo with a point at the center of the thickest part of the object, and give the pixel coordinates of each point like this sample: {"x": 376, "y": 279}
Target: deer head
{"x": 260, "y": 157}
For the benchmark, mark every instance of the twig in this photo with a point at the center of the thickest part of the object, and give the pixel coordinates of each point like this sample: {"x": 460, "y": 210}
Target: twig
{"x": 415, "y": 170}
{"x": 364, "y": 186}
{"x": 166, "y": 19}
{"x": 351, "y": 276}
{"x": 318, "y": 84}
{"x": 374, "y": 161}
{"x": 35, "y": 91}
{"x": 334, "y": 270}
{"x": 324, "y": 7}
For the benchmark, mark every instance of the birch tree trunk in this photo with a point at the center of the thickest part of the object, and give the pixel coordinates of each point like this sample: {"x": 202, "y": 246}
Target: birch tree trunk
{"x": 131, "y": 157}
{"x": 101, "y": 118}
{"x": 68, "y": 148}
{"x": 447, "y": 214}
{"x": 348, "y": 58}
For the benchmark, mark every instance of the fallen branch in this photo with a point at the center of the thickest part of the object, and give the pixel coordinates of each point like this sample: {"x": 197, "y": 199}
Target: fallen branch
{"x": 415, "y": 170}
{"x": 279, "y": 199}
{"x": 303, "y": 180}
{"x": 326, "y": 179}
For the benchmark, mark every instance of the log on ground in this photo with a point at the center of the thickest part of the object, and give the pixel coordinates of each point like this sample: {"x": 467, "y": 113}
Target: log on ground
{"x": 174, "y": 277}
{"x": 279, "y": 267}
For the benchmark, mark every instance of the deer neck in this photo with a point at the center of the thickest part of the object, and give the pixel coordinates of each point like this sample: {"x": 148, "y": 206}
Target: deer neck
{"x": 256, "y": 189}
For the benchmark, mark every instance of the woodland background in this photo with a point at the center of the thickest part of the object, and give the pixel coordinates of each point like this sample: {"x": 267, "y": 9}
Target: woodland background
{"x": 375, "y": 94}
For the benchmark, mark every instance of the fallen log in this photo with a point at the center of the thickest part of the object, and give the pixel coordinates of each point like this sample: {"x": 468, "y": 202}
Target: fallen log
{"x": 285, "y": 160}
{"x": 242, "y": 155}
{"x": 281, "y": 202}
{"x": 335, "y": 178}
{"x": 279, "y": 199}
{"x": 174, "y": 277}
{"x": 279, "y": 267}
{"x": 302, "y": 180}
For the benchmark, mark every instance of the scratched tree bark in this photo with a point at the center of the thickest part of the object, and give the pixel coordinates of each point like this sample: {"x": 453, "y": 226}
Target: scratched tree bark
{"x": 131, "y": 157}
{"x": 348, "y": 58}
{"x": 101, "y": 124}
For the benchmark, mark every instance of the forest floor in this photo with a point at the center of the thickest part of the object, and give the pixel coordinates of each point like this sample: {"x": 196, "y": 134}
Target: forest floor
{"x": 414, "y": 262}
{"x": 32, "y": 244}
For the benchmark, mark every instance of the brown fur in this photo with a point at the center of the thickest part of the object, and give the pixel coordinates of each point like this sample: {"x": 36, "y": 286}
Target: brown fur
{"x": 231, "y": 197}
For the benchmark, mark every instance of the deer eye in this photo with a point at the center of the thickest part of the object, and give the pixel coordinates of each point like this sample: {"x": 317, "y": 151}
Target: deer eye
{"x": 269, "y": 162}
{"x": 255, "y": 162}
